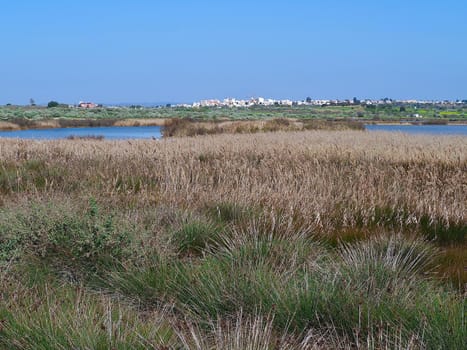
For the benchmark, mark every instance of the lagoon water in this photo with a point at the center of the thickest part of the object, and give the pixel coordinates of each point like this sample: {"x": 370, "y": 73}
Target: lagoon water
{"x": 421, "y": 129}
{"x": 150, "y": 132}
{"x": 108, "y": 132}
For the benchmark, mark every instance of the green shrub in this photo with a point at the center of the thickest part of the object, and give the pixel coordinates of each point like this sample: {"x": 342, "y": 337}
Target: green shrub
{"x": 63, "y": 235}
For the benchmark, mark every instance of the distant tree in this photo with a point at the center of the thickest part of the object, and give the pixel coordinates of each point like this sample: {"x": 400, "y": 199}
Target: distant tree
{"x": 308, "y": 100}
{"x": 52, "y": 104}
{"x": 402, "y": 109}
{"x": 8, "y": 104}
{"x": 356, "y": 101}
{"x": 32, "y": 102}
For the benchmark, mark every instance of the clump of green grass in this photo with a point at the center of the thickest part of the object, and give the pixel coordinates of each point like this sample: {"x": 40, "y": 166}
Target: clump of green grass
{"x": 381, "y": 263}
{"x": 148, "y": 283}
{"x": 63, "y": 317}
{"x": 363, "y": 291}
{"x": 275, "y": 243}
{"x": 195, "y": 237}
{"x": 380, "y": 282}
{"x": 375, "y": 284}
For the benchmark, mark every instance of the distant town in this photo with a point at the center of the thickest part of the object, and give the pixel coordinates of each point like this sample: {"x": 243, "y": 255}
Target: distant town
{"x": 261, "y": 101}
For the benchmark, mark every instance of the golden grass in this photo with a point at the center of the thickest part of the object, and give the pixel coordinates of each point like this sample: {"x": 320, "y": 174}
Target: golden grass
{"x": 141, "y": 122}
{"x": 339, "y": 184}
{"x": 20, "y": 124}
{"x": 189, "y": 127}
{"x": 348, "y": 179}
{"x": 239, "y": 215}
{"x": 8, "y": 126}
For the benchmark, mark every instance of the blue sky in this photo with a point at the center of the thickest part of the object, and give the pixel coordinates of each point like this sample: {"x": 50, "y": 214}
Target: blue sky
{"x": 181, "y": 51}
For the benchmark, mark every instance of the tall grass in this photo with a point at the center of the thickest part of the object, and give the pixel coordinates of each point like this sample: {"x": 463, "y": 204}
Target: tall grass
{"x": 189, "y": 127}
{"x": 309, "y": 240}
{"x": 326, "y": 179}
{"x": 60, "y": 317}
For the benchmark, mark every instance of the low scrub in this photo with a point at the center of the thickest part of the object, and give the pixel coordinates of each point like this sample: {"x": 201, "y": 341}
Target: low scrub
{"x": 85, "y": 137}
{"x": 68, "y": 238}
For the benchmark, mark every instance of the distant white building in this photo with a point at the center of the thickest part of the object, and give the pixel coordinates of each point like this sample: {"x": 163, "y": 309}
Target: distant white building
{"x": 210, "y": 103}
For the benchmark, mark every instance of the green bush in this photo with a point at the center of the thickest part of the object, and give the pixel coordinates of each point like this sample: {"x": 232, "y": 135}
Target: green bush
{"x": 86, "y": 240}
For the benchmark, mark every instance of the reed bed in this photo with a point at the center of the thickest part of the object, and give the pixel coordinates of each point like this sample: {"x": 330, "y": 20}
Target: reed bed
{"x": 328, "y": 180}
{"x": 190, "y": 127}
{"x": 286, "y": 240}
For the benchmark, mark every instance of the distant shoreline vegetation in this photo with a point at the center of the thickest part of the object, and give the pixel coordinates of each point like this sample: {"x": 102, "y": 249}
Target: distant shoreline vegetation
{"x": 60, "y": 116}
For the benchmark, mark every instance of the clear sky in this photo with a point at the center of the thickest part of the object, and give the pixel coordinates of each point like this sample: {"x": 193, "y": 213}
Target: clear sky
{"x": 181, "y": 51}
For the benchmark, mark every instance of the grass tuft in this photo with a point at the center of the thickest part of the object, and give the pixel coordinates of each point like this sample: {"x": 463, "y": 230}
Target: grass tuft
{"x": 195, "y": 237}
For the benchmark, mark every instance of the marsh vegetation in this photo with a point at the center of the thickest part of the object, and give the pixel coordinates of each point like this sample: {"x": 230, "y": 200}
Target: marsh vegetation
{"x": 297, "y": 240}
{"x": 21, "y": 117}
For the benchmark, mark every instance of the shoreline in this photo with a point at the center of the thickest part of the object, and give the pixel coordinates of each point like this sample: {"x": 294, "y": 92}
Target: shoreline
{"x": 11, "y": 125}
{"x": 15, "y": 125}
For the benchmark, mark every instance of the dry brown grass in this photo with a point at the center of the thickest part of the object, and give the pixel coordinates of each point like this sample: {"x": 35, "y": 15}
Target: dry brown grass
{"x": 19, "y": 124}
{"x": 341, "y": 185}
{"x": 219, "y": 224}
{"x": 189, "y": 127}
{"x": 141, "y": 122}
{"x": 8, "y": 126}
{"x": 328, "y": 179}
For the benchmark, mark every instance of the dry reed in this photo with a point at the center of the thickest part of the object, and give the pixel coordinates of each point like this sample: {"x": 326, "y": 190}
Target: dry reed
{"x": 331, "y": 181}
{"x": 236, "y": 232}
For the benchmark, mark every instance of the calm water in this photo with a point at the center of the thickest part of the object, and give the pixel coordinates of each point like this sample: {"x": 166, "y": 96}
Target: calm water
{"x": 421, "y": 129}
{"x": 108, "y": 132}
{"x": 148, "y": 132}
